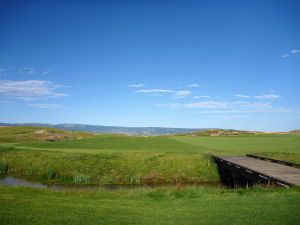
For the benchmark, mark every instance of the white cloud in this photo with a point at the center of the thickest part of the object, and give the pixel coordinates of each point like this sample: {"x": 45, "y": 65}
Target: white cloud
{"x": 279, "y": 110}
{"x": 26, "y": 99}
{"x": 45, "y": 106}
{"x": 28, "y": 70}
{"x": 181, "y": 94}
{"x": 242, "y": 96}
{"x": 206, "y": 105}
{"x": 270, "y": 96}
{"x": 7, "y": 102}
{"x": 170, "y": 106}
{"x": 136, "y": 85}
{"x": 46, "y": 72}
{"x": 295, "y": 51}
{"x": 159, "y": 92}
{"x": 30, "y": 88}
{"x": 254, "y": 105}
{"x": 236, "y": 105}
{"x": 194, "y": 105}
{"x": 155, "y": 91}
{"x": 194, "y": 85}
{"x": 29, "y": 99}
{"x": 25, "y": 71}
{"x": 201, "y": 96}
{"x": 2, "y": 71}
{"x": 58, "y": 95}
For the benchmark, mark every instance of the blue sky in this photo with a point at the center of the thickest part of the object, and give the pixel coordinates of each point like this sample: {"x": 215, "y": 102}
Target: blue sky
{"x": 197, "y": 64}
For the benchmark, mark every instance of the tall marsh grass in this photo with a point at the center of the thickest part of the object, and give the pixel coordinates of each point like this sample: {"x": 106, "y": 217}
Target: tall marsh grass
{"x": 82, "y": 179}
{"x": 108, "y": 168}
{"x": 3, "y": 167}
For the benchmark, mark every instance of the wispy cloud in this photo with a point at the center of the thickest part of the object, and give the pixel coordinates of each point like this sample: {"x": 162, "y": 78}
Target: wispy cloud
{"x": 181, "y": 94}
{"x": 278, "y": 110}
{"x": 30, "y": 99}
{"x": 206, "y": 105}
{"x": 195, "y": 105}
{"x": 292, "y": 52}
{"x": 194, "y": 85}
{"x": 46, "y": 72}
{"x": 2, "y": 71}
{"x": 26, "y": 99}
{"x": 159, "y": 92}
{"x": 242, "y": 96}
{"x": 7, "y": 102}
{"x": 295, "y": 51}
{"x": 24, "y": 71}
{"x": 45, "y": 106}
{"x": 27, "y": 70}
{"x": 235, "y": 105}
{"x": 201, "y": 96}
{"x": 30, "y": 88}
{"x": 59, "y": 95}
{"x": 270, "y": 96}
{"x": 136, "y": 85}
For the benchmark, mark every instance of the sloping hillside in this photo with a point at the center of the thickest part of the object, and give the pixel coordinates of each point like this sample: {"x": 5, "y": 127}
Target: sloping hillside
{"x": 219, "y": 132}
{"x": 295, "y": 132}
{"x": 30, "y": 133}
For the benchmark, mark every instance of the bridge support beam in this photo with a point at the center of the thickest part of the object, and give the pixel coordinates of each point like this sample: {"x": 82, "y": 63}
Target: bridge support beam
{"x": 235, "y": 177}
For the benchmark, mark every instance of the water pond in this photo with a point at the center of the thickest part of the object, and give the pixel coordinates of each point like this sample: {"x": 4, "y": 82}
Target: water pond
{"x": 13, "y": 182}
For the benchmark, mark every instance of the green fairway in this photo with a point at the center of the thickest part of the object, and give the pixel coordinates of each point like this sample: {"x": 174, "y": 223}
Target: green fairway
{"x": 117, "y": 143}
{"x": 35, "y": 138}
{"x": 224, "y": 145}
{"x": 159, "y": 206}
{"x": 241, "y": 145}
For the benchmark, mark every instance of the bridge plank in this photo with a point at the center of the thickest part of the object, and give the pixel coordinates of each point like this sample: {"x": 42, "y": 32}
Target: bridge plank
{"x": 281, "y": 172}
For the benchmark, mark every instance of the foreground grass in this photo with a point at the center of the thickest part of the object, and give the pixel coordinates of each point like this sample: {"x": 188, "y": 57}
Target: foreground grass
{"x": 158, "y": 206}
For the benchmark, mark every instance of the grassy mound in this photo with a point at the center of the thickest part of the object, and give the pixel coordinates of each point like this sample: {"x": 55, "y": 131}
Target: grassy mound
{"x": 32, "y": 133}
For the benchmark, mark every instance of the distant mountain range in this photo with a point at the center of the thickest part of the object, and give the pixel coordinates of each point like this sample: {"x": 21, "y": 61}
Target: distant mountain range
{"x": 110, "y": 129}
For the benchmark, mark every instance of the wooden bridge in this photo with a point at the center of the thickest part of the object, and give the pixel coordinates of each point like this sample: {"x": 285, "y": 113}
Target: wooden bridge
{"x": 244, "y": 171}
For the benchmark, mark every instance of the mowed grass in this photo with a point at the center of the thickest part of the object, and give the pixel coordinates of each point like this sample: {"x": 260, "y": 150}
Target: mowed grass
{"x": 143, "y": 206}
{"x": 224, "y": 145}
{"x": 241, "y": 145}
{"x": 116, "y": 143}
